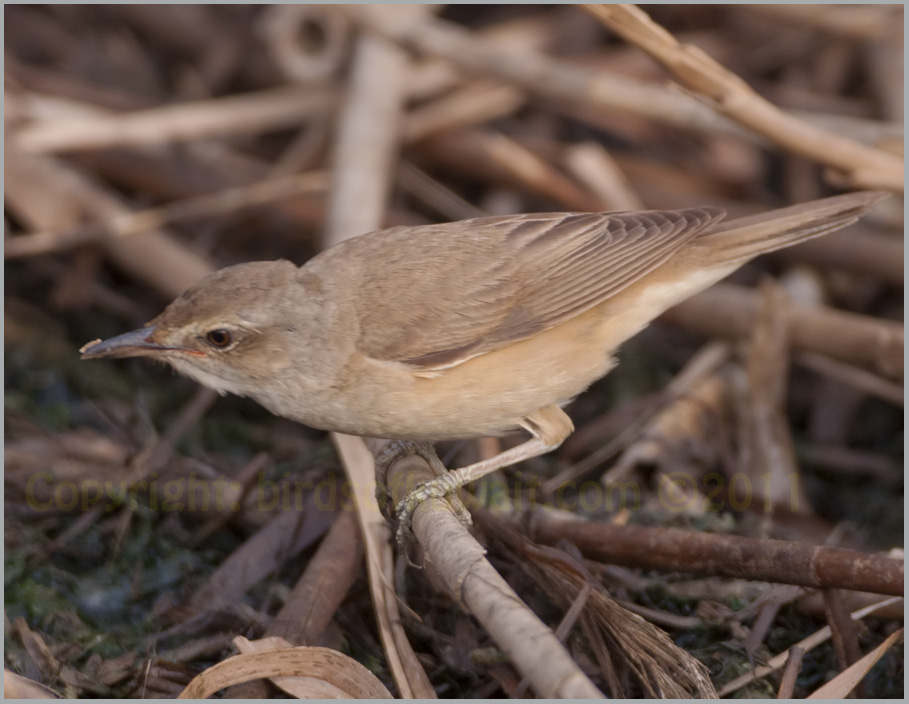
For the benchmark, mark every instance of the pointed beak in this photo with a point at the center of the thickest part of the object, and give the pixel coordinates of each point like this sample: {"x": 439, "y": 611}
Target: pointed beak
{"x": 137, "y": 343}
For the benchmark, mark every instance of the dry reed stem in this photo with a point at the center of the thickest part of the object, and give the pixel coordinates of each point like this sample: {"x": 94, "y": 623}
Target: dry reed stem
{"x": 846, "y": 461}
{"x": 871, "y": 22}
{"x": 704, "y": 363}
{"x": 766, "y": 615}
{"x": 581, "y": 92}
{"x": 670, "y": 549}
{"x": 367, "y": 140}
{"x": 767, "y": 452}
{"x": 494, "y": 157}
{"x": 615, "y": 634}
{"x": 285, "y": 28}
{"x": 365, "y": 150}
{"x": 19, "y": 687}
{"x": 565, "y": 86}
{"x": 242, "y": 482}
{"x": 687, "y": 424}
{"x": 358, "y": 464}
{"x": 593, "y": 166}
{"x": 473, "y": 103}
{"x": 291, "y": 531}
{"x": 431, "y": 77}
{"x": 49, "y": 195}
{"x": 728, "y": 310}
{"x": 864, "y": 166}
{"x": 455, "y": 556}
{"x": 843, "y": 632}
{"x": 435, "y": 194}
{"x": 236, "y": 114}
{"x": 131, "y": 223}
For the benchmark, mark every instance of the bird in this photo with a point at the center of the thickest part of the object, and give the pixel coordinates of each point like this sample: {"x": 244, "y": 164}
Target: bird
{"x": 457, "y": 330}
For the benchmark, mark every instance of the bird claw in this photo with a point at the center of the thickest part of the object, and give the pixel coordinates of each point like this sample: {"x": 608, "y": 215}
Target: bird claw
{"x": 444, "y": 485}
{"x": 438, "y": 488}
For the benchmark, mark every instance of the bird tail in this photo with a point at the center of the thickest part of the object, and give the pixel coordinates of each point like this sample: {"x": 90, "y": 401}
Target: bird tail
{"x": 737, "y": 240}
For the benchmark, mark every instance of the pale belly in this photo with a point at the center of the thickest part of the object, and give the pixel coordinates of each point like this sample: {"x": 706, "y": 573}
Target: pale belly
{"x": 491, "y": 394}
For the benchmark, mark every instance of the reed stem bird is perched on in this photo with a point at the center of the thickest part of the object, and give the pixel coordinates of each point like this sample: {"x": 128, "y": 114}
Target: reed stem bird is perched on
{"x": 463, "y": 329}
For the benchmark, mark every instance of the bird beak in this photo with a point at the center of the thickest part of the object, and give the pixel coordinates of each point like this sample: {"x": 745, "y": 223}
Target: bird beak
{"x": 137, "y": 343}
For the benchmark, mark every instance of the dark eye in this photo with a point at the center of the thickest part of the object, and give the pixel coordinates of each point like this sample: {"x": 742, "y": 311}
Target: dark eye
{"x": 220, "y": 338}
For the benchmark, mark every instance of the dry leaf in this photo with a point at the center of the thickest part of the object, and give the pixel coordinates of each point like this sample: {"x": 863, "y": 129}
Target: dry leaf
{"x": 302, "y": 671}
{"x": 840, "y": 686}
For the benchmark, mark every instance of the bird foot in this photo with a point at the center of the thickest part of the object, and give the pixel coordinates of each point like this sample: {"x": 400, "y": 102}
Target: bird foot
{"x": 443, "y": 486}
{"x": 437, "y": 488}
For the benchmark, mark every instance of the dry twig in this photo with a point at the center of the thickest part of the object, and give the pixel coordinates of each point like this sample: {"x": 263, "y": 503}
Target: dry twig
{"x": 865, "y": 167}
{"x": 783, "y": 561}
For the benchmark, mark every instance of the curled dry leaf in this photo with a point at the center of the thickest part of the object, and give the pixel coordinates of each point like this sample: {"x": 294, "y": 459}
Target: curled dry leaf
{"x": 304, "y": 672}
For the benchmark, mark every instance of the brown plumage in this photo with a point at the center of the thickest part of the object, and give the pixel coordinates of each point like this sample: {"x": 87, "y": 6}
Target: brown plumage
{"x": 460, "y": 329}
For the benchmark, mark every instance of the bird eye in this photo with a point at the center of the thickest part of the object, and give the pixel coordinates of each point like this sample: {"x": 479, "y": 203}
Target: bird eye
{"x": 219, "y": 338}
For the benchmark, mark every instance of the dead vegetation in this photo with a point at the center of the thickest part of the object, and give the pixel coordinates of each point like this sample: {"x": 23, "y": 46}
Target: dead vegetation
{"x": 731, "y": 503}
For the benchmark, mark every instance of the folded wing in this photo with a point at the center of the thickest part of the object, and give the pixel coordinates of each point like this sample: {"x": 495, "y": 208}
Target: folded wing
{"x": 452, "y": 292}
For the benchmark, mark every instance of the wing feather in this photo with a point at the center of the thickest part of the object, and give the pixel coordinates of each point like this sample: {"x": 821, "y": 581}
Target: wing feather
{"x": 436, "y": 295}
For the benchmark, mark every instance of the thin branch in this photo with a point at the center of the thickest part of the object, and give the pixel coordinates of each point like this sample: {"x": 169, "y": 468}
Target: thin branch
{"x": 729, "y": 95}
{"x": 784, "y": 561}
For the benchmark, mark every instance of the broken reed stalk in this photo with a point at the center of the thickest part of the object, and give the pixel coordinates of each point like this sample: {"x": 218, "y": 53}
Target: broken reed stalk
{"x": 459, "y": 560}
{"x": 671, "y": 549}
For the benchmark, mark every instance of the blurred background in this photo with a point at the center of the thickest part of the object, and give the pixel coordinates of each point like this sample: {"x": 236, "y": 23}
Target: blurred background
{"x": 147, "y": 145}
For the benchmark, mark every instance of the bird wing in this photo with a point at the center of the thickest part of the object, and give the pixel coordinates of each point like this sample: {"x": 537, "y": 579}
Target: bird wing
{"x": 434, "y": 296}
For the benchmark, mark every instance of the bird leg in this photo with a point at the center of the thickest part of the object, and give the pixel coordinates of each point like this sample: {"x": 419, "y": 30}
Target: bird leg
{"x": 549, "y": 426}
